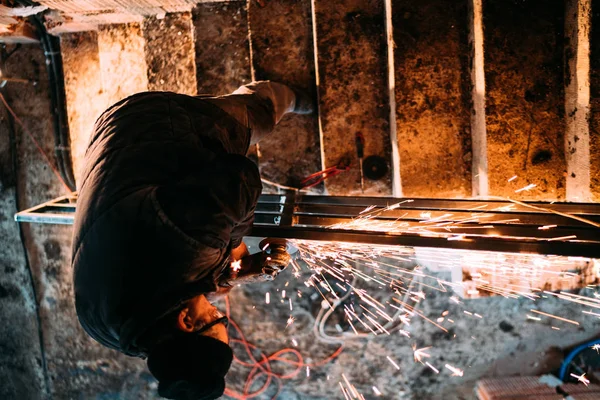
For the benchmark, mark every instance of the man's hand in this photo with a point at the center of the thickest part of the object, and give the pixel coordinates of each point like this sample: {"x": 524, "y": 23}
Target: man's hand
{"x": 239, "y": 252}
{"x": 259, "y": 267}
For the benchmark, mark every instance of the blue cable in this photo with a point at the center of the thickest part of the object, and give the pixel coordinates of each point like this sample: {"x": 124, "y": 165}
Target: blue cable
{"x": 571, "y": 356}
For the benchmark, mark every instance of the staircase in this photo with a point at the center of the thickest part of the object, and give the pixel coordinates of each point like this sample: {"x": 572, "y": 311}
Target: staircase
{"x": 461, "y": 99}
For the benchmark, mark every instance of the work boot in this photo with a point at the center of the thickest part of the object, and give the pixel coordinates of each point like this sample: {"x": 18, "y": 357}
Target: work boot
{"x": 305, "y": 104}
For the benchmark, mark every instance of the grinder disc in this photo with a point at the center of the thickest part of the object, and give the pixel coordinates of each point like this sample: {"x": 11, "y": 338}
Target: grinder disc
{"x": 375, "y": 167}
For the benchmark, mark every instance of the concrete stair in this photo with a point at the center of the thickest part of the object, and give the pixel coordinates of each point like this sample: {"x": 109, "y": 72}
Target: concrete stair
{"x": 473, "y": 98}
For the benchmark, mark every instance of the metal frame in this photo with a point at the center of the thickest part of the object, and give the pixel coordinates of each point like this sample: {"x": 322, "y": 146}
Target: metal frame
{"x": 499, "y": 225}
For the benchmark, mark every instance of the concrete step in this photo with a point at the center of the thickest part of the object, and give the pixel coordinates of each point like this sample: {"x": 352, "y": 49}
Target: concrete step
{"x": 525, "y": 97}
{"x": 169, "y": 53}
{"x": 103, "y": 67}
{"x": 432, "y": 97}
{"x": 282, "y": 51}
{"x": 352, "y": 77}
{"x": 222, "y": 48}
{"x": 469, "y": 111}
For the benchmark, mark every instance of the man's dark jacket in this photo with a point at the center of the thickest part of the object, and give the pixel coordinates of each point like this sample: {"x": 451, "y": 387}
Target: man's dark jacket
{"x": 165, "y": 195}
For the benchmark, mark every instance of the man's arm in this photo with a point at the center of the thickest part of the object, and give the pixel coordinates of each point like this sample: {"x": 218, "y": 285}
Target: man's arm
{"x": 259, "y": 106}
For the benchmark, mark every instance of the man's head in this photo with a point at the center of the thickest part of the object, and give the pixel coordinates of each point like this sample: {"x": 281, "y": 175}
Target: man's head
{"x": 192, "y": 361}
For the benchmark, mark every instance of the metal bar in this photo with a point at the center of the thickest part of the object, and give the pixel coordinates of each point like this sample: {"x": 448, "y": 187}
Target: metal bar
{"x": 470, "y": 229}
{"x": 311, "y": 217}
{"x": 518, "y": 218}
{"x": 449, "y": 205}
{"x": 532, "y": 246}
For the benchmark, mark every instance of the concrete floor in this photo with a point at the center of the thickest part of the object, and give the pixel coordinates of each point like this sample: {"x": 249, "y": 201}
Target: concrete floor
{"x": 503, "y": 342}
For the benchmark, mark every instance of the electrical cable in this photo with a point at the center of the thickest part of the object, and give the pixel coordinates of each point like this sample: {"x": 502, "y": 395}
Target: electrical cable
{"x": 54, "y": 67}
{"x": 569, "y": 358}
{"x": 263, "y": 367}
{"x": 15, "y": 167}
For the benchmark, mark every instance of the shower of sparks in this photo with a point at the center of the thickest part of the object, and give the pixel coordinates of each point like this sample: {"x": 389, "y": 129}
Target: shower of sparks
{"x": 349, "y": 391}
{"x": 455, "y": 371}
{"x": 378, "y": 290}
{"x": 581, "y": 378}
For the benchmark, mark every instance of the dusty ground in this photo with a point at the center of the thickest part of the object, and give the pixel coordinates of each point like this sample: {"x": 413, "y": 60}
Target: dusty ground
{"x": 524, "y": 104}
{"x": 432, "y": 98}
{"x": 595, "y": 104}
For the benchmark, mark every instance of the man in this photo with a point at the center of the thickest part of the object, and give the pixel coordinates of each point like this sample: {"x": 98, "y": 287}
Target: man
{"x": 166, "y": 197}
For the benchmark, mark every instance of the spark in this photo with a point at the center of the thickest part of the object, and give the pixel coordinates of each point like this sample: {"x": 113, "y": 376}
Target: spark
{"x": 267, "y": 297}
{"x": 404, "y": 333}
{"x": 528, "y": 187}
{"x": 376, "y": 391}
{"x": 437, "y": 371}
{"x": 581, "y": 378}
{"x": 367, "y": 209}
{"x": 393, "y": 363}
{"x": 420, "y": 353}
{"x": 554, "y": 316}
{"x": 513, "y": 178}
{"x": 236, "y": 265}
{"x": 307, "y": 371}
{"x": 596, "y": 347}
{"x": 455, "y": 371}
{"x": 295, "y": 342}
{"x": 290, "y": 321}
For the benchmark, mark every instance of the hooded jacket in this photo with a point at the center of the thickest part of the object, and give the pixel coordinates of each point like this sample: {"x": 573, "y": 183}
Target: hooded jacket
{"x": 165, "y": 195}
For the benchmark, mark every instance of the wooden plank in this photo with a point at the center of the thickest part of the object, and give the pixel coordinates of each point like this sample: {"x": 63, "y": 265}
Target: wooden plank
{"x": 525, "y": 97}
{"x": 479, "y": 163}
{"x": 432, "y": 97}
{"x": 577, "y": 99}
{"x": 170, "y": 53}
{"x": 352, "y": 77}
{"x": 221, "y": 42}
{"x": 595, "y": 101}
{"x": 282, "y": 51}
